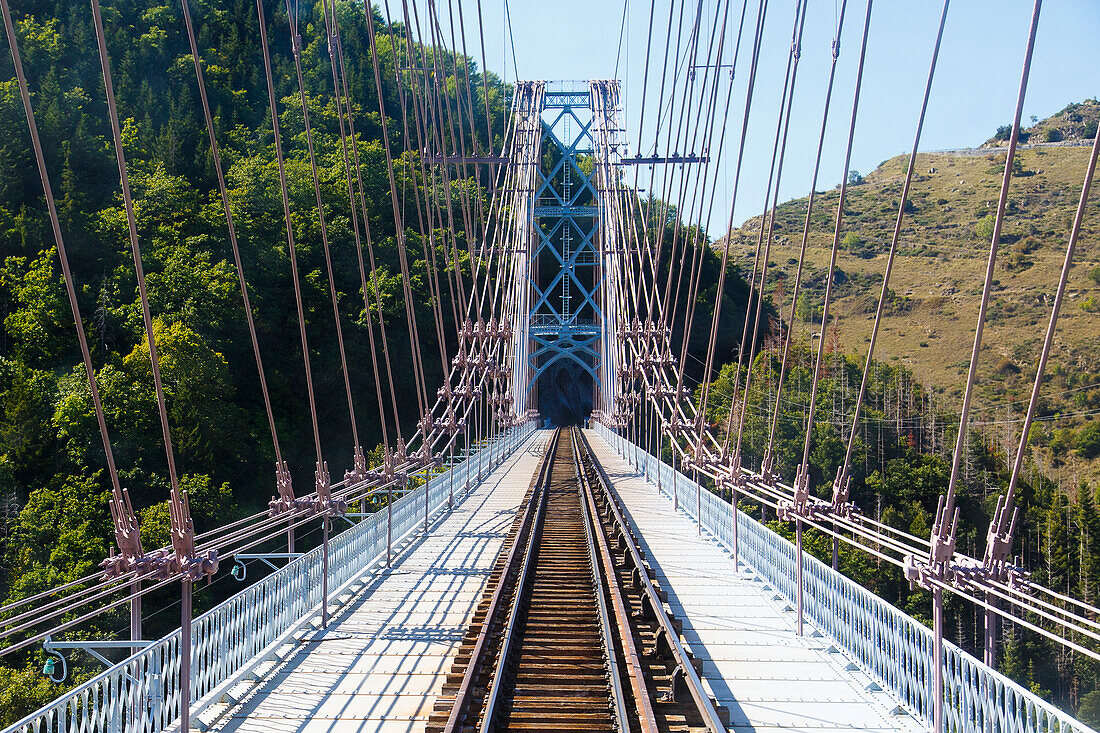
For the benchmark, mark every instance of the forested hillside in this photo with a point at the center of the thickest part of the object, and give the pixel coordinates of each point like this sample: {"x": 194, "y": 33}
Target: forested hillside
{"x": 928, "y": 325}
{"x": 906, "y": 439}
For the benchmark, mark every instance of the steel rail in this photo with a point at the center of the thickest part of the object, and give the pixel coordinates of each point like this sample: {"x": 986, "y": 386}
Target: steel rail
{"x": 534, "y": 537}
{"x": 462, "y": 700}
{"x": 646, "y": 717}
{"x": 694, "y": 684}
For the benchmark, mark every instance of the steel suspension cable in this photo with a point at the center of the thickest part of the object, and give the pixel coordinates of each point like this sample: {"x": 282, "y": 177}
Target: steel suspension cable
{"x": 948, "y": 508}
{"x": 775, "y": 176}
{"x": 232, "y": 229}
{"x": 290, "y": 239}
{"x": 804, "y": 465}
{"x": 428, "y": 211}
{"x": 296, "y": 45}
{"x": 693, "y": 242}
{"x": 59, "y": 242}
{"x": 131, "y": 222}
{"x": 761, "y": 16}
{"x": 1048, "y": 340}
{"x": 399, "y": 227}
{"x": 769, "y": 451}
{"x": 781, "y": 139}
{"x": 842, "y": 474}
{"x": 347, "y": 106}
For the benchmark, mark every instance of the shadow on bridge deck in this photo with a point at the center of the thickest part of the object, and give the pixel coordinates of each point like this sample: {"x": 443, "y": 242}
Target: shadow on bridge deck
{"x": 393, "y": 643}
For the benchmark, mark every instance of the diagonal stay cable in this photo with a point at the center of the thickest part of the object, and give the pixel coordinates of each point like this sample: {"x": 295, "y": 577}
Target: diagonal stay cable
{"x": 296, "y": 45}
{"x": 290, "y": 240}
{"x": 232, "y": 229}
{"x": 842, "y": 475}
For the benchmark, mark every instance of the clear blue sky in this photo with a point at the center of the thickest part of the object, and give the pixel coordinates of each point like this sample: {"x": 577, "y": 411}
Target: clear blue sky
{"x": 975, "y": 90}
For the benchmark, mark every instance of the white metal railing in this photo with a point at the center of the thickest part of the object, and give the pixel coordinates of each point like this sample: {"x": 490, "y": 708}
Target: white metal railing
{"x": 141, "y": 693}
{"x": 892, "y": 647}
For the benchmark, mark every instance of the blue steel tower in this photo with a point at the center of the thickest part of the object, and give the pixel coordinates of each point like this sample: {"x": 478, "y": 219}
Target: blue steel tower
{"x": 564, "y": 316}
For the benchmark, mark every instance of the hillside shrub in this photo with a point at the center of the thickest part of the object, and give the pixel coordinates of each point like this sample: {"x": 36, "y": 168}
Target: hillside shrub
{"x": 983, "y": 229}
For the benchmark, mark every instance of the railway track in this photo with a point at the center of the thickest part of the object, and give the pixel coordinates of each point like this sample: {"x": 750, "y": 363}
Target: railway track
{"x": 572, "y": 632}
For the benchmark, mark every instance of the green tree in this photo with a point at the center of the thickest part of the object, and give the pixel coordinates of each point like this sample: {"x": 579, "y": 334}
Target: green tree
{"x": 1088, "y": 710}
{"x": 983, "y": 230}
{"x": 198, "y": 392}
{"x": 42, "y": 324}
{"x": 60, "y": 535}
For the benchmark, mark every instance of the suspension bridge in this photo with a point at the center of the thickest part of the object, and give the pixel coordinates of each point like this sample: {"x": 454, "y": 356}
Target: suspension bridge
{"x": 556, "y": 544}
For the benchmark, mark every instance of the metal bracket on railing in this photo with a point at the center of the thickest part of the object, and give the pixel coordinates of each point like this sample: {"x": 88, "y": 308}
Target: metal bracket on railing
{"x": 285, "y": 501}
{"x": 998, "y": 542}
{"x": 965, "y": 573}
{"x": 240, "y": 571}
{"x": 767, "y": 469}
{"x": 184, "y": 558}
{"x": 678, "y": 427}
{"x": 842, "y": 489}
{"x": 938, "y": 566}
{"x": 51, "y": 647}
{"x": 450, "y": 425}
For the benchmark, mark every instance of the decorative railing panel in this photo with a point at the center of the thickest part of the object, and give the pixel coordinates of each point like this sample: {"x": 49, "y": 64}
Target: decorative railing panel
{"x": 893, "y": 648}
{"x": 141, "y": 693}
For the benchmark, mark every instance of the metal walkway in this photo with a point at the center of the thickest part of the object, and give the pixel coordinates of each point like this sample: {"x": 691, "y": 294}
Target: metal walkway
{"x": 758, "y": 667}
{"x": 389, "y": 651}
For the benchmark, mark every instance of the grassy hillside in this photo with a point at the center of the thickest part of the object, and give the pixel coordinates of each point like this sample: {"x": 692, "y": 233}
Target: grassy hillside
{"x": 937, "y": 280}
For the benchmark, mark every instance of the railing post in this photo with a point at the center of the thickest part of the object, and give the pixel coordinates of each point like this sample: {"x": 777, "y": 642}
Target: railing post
{"x": 324, "y": 570}
{"x": 798, "y": 572}
{"x": 135, "y": 610}
{"x": 990, "y": 645}
{"x": 675, "y": 491}
{"x": 733, "y": 503}
{"x": 836, "y": 549}
{"x": 659, "y": 463}
{"x": 466, "y": 471}
{"x": 937, "y": 659}
{"x": 698, "y": 502}
{"x": 185, "y": 655}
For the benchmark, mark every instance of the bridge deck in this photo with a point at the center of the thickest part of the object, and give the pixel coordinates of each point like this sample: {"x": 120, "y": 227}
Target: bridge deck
{"x": 758, "y": 667}
{"x": 402, "y": 629}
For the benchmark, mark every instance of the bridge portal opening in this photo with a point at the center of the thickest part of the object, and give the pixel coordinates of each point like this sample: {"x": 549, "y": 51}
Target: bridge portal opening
{"x": 565, "y": 394}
